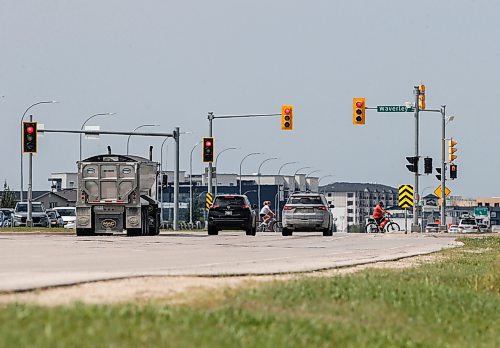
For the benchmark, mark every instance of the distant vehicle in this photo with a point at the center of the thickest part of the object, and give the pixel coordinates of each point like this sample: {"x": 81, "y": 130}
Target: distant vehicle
{"x": 232, "y": 212}
{"x": 453, "y": 229}
{"x": 55, "y": 219}
{"x": 68, "y": 215}
{"x": 495, "y": 228}
{"x": 37, "y": 213}
{"x": 432, "y": 227}
{"x": 307, "y": 212}
{"x": 468, "y": 225}
{"x": 483, "y": 228}
{"x": 7, "y": 217}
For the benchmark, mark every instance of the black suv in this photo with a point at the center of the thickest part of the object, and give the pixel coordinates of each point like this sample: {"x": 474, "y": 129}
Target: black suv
{"x": 232, "y": 212}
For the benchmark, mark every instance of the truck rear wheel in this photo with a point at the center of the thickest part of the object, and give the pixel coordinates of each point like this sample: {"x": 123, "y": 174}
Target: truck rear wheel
{"x": 133, "y": 232}
{"x": 84, "y": 232}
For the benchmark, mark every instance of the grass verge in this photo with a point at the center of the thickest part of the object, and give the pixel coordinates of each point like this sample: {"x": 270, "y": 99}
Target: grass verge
{"x": 452, "y": 303}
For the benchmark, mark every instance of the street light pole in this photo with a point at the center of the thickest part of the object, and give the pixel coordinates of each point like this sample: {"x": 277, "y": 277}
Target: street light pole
{"x": 21, "y": 193}
{"x": 136, "y": 128}
{"x": 161, "y": 179}
{"x": 84, "y": 123}
{"x": 295, "y": 174}
{"x": 216, "y": 167}
{"x": 258, "y": 177}
{"x": 241, "y": 163}
{"x": 314, "y": 171}
{"x": 191, "y": 184}
{"x": 282, "y": 180}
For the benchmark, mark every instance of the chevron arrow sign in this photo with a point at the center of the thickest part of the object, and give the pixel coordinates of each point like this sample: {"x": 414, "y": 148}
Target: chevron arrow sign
{"x": 405, "y": 197}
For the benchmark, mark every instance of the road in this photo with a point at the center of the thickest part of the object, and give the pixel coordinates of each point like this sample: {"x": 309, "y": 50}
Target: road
{"x": 33, "y": 261}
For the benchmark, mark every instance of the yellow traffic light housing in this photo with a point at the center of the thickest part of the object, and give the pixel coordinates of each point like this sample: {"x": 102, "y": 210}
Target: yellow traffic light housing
{"x": 358, "y": 110}
{"x": 452, "y": 150}
{"x": 287, "y": 117}
{"x": 421, "y": 97}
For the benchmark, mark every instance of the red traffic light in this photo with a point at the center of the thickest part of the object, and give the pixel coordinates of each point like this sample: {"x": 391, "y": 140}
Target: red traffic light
{"x": 30, "y": 129}
{"x": 287, "y": 111}
{"x": 359, "y": 104}
{"x": 208, "y": 143}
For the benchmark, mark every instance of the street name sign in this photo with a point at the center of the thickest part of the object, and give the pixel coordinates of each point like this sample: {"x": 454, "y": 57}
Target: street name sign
{"x": 394, "y": 108}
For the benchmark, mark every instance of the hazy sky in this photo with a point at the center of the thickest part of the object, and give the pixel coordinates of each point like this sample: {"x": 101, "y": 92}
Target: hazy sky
{"x": 170, "y": 62}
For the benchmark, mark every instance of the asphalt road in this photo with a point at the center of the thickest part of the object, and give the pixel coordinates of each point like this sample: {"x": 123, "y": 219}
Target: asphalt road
{"x": 31, "y": 261}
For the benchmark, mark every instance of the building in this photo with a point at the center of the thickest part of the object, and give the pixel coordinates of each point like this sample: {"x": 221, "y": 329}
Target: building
{"x": 354, "y": 202}
{"x": 63, "y": 181}
{"x": 62, "y": 198}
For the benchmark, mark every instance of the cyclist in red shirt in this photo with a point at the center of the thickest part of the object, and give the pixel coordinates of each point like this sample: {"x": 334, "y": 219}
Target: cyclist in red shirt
{"x": 378, "y": 215}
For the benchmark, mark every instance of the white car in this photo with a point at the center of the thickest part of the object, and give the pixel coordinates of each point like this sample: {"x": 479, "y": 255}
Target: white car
{"x": 453, "y": 229}
{"x": 468, "y": 225}
{"x": 68, "y": 215}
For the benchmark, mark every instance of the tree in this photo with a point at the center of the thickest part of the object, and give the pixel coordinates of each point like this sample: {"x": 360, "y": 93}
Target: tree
{"x": 8, "y": 199}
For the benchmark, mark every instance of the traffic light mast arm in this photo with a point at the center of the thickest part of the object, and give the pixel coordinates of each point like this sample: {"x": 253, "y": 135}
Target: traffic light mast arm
{"x": 243, "y": 116}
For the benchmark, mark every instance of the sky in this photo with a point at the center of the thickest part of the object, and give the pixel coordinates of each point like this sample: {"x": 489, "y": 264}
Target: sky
{"x": 171, "y": 62}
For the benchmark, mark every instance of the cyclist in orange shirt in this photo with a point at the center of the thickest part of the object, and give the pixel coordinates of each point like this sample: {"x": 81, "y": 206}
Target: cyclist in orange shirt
{"x": 378, "y": 215}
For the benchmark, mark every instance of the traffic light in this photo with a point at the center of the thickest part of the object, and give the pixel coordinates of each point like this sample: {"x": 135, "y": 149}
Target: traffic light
{"x": 453, "y": 171}
{"x": 208, "y": 150}
{"x": 438, "y": 175}
{"x": 452, "y": 150}
{"x": 30, "y": 137}
{"x": 428, "y": 165}
{"x": 358, "y": 110}
{"x": 421, "y": 97}
{"x": 413, "y": 166}
{"x": 286, "y": 117}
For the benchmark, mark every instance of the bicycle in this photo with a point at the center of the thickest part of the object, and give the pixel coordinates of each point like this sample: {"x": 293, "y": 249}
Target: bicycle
{"x": 272, "y": 226}
{"x": 390, "y": 226}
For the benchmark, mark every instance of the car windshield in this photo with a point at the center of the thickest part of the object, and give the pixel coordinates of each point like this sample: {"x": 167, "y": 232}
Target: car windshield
{"x": 305, "y": 200}
{"x": 51, "y": 214}
{"x": 228, "y": 201}
{"x": 432, "y": 225}
{"x": 468, "y": 222}
{"x": 66, "y": 212}
{"x": 6, "y": 213}
{"x": 35, "y": 208}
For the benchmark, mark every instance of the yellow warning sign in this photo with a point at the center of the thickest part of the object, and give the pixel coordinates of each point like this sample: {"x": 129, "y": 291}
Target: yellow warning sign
{"x": 405, "y": 198}
{"x": 438, "y": 192}
{"x": 209, "y": 200}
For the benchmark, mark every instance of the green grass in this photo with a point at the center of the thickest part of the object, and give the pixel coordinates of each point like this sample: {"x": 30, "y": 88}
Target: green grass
{"x": 452, "y": 303}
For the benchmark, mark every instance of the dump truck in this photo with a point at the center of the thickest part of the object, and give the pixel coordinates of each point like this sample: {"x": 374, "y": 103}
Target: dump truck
{"x": 117, "y": 193}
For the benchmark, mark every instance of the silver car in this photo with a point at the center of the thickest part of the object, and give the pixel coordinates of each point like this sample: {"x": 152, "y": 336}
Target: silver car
{"x": 307, "y": 212}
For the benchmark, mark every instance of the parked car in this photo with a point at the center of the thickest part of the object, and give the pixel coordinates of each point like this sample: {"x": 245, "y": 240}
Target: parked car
{"x": 468, "y": 225}
{"x": 6, "y": 221}
{"x": 495, "y": 228}
{"x": 37, "y": 214}
{"x": 232, "y": 212}
{"x": 307, "y": 212}
{"x": 55, "y": 219}
{"x": 68, "y": 215}
{"x": 453, "y": 229}
{"x": 432, "y": 227}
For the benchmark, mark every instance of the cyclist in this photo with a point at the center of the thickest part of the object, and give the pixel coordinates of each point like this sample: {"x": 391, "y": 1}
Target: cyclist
{"x": 266, "y": 213}
{"x": 378, "y": 215}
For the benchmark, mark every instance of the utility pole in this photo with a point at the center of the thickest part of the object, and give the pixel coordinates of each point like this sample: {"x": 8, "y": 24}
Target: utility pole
{"x": 416, "y": 198}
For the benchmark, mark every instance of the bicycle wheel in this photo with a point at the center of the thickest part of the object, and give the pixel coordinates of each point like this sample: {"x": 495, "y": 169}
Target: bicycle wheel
{"x": 371, "y": 228}
{"x": 392, "y": 227}
{"x": 277, "y": 227}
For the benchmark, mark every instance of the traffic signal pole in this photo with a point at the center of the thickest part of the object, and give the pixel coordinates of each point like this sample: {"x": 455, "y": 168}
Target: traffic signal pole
{"x": 416, "y": 199}
{"x": 29, "y": 219}
{"x": 443, "y": 166}
{"x": 211, "y": 117}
